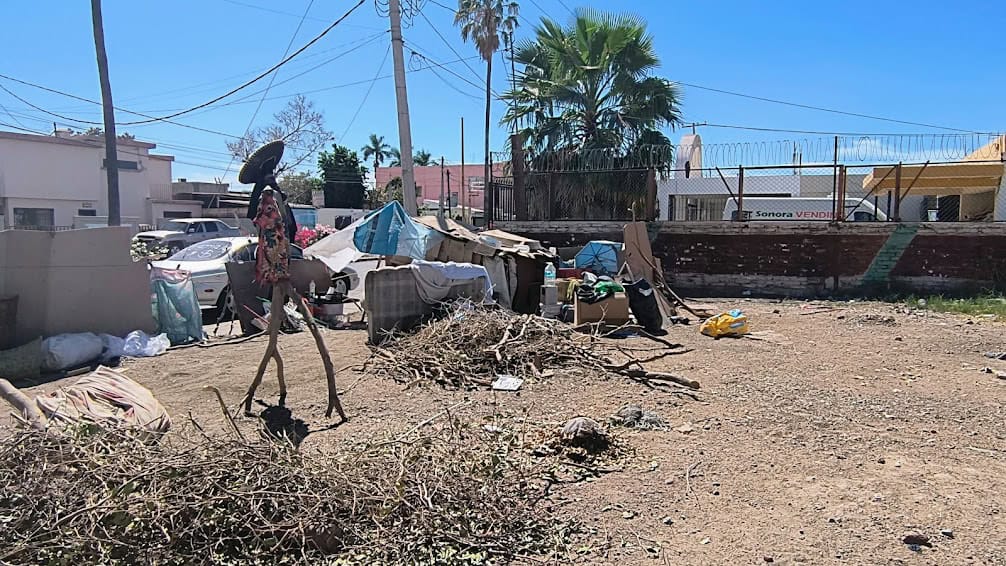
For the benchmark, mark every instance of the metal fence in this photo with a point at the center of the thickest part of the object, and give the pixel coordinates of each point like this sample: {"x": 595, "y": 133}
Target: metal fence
{"x": 874, "y": 192}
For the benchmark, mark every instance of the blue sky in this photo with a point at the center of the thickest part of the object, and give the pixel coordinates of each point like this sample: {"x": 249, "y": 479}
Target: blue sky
{"x": 935, "y": 63}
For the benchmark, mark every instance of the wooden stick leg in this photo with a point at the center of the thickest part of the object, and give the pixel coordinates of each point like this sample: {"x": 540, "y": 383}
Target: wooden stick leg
{"x": 326, "y": 360}
{"x": 275, "y": 321}
{"x": 25, "y": 406}
{"x": 279, "y": 375}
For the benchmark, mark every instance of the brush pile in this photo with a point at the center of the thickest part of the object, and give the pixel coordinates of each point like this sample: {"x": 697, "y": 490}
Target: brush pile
{"x": 452, "y": 496}
{"x": 470, "y": 345}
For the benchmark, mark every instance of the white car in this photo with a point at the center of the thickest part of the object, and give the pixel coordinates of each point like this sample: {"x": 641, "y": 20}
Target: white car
{"x": 180, "y": 233}
{"x": 207, "y": 263}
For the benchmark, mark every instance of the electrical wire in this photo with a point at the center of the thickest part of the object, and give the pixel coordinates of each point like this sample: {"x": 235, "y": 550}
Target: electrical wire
{"x": 257, "y": 78}
{"x": 282, "y": 13}
{"x": 823, "y": 109}
{"x": 447, "y": 43}
{"x": 366, "y": 95}
{"x": 272, "y": 79}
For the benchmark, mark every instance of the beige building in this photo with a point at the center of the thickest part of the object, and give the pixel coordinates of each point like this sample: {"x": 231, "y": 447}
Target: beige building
{"x": 59, "y": 182}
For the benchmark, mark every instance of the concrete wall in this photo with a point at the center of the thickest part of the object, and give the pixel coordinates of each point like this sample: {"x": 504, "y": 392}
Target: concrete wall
{"x": 802, "y": 260}
{"x": 74, "y": 281}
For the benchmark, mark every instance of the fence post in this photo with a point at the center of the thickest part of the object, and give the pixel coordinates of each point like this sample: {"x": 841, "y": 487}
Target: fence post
{"x": 835, "y": 209}
{"x": 517, "y": 165}
{"x": 651, "y": 195}
{"x": 740, "y": 194}
{"x": 897, "y": 193}
{"x": 843, "y": 179}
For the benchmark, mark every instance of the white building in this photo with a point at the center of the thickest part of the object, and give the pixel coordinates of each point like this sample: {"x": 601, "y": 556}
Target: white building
{"x": 54, "y": 182}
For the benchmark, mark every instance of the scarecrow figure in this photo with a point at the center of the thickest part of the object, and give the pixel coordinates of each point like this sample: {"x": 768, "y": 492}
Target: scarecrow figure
{"x": 276, "y": 228}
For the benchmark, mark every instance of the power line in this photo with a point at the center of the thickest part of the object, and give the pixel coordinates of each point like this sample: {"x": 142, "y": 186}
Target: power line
{"x": 822, "y": 109}
{"x": 563, "y": 4}
{"x": 272, "y": 79}
{"x": 821, "y": 132}
{"x": 257, "y": 78}
{"x": 366, "y": 95}
{"x": 414, "y": 49}
{"x": 447, "y": 43}
{"x": 282, "y": 13}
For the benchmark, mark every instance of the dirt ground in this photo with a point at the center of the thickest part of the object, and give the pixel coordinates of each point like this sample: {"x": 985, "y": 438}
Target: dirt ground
{"x": 849, "y": 426}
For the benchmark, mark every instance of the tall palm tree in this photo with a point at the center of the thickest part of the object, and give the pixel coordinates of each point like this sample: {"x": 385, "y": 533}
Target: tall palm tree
{"x": 396, "y": 158}
{"x": 590, "y": 85}
{"x": 422, "y": 158}
{"x": 377, "y": 150}
{"x": 483, "y": 22}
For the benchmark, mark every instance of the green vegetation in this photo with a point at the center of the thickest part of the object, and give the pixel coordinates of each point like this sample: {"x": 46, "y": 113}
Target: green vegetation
{"x": 989, "y": 304}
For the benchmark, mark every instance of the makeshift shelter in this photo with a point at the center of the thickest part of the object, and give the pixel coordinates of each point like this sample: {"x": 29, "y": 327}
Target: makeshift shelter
{"x": 600, "y": 257}
{"x": 387, "y": 231}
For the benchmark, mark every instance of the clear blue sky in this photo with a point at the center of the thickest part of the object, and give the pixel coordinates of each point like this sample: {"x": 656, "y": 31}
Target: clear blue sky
{"x": 932, "y": 63}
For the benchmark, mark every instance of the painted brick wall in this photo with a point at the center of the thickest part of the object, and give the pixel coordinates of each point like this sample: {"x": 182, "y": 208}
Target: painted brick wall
{"x": 802, "y": 259}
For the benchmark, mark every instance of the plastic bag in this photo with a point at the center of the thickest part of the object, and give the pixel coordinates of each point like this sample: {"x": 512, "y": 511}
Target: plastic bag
{"x": 139, "y": 344}
{"x": 730, "y": 323}
{"x": 113, "y": 347}
{"x": 65, "y": 351}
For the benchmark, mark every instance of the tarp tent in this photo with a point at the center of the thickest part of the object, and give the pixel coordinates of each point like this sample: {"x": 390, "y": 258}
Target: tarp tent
{"x": 387, "y": 231}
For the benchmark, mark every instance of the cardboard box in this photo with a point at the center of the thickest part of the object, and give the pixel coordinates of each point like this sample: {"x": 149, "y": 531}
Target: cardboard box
{"x": 614, "y": 311}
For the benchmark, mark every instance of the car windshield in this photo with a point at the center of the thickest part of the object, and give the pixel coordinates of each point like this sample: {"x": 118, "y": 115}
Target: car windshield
{"x": 203, "y": 251}
{"x": 175, "y": 226}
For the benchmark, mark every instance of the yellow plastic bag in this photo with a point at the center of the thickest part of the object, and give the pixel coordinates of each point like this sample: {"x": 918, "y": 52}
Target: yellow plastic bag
{"x": 730, "y": 323}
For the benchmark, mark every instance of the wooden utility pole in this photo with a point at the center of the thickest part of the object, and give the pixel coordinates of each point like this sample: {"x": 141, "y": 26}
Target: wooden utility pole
{"x": 108, "y": 112}
{"x": 464, "y": 180}
{"x": 402, "y": 99}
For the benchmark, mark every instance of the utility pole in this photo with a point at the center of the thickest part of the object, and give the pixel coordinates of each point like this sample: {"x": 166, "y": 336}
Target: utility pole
{"x": 402, "y": 97}
{"x": 108, "y": 112}
{"x": 464, "y": 180}
{"x": 441, "y": 187}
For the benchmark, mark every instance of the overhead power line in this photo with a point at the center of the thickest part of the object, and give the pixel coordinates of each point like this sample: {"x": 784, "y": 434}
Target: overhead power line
{"x": 822, "y": 109}
{"x": 366, "y": 95}
{"x": 257, "y": 78}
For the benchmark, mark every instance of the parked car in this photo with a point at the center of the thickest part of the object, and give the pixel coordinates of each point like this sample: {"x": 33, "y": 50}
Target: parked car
{"x": 181, "y": 233}
{"x": 207, "y": 261}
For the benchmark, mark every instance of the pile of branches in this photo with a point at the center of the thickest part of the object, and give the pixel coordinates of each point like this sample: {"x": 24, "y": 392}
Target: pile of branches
{"x": 469, "y": 345}
{"x": 454, "y": 496}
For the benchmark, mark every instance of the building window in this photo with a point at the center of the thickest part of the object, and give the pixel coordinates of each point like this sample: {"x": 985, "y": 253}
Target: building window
{"x": 123, "y": 165}
{"x": 704, "y": 209}
{"x": 169, "y": 214}
{"x": 87, "y": 212}
{"x": 34, "y": 218}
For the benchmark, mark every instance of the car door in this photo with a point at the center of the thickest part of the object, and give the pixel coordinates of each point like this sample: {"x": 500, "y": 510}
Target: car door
{"x": 193, "y": 233}
{"x": 210, "y": 231}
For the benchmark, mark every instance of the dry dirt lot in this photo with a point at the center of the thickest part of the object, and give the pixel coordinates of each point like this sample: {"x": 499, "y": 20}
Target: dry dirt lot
{"x": 848, "y": 427}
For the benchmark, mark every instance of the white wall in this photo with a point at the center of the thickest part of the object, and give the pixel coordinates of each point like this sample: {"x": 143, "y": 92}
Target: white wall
{"x": 65, "y": 175}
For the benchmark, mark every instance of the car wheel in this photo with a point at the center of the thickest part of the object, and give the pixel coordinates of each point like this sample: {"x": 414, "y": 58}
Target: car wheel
{"x": 173, "y": 248}
{"x": 226, "y": 309}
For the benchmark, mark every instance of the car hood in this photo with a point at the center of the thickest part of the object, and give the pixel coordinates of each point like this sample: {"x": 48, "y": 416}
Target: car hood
{"x": 159, "y": 234}
{"x": 196, "y": 268}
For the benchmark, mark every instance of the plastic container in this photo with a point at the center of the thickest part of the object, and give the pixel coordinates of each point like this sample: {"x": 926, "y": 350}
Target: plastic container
{"x": 549, "y": 274}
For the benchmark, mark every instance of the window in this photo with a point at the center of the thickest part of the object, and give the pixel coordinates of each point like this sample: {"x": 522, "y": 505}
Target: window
{"x": 87, "y": 212}
{"x": 176, "y": 214}
{"x": 194, "y": 228}
{"x": 34, "y": 217}
{"x": 123, "y": 165}
{"x": 210, "y": 226}
{"x": 223, "y": 227}
{"x": 704, "y": 208}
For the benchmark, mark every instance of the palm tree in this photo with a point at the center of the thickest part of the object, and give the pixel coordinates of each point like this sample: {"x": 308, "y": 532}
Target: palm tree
{"x": 396, "y": 158}
{"x": 376, "y": 149}
{"x": 422, "y": 158}
{"x": 482, "y": 22}
{"x": 589, "y": 85}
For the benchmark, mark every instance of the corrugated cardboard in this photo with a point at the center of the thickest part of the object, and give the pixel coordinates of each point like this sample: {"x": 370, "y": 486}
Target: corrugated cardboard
{"x": 613, "y": 310}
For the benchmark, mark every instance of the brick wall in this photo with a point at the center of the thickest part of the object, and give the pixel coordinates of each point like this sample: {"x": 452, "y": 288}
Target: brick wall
{"x": 807, "y": 259}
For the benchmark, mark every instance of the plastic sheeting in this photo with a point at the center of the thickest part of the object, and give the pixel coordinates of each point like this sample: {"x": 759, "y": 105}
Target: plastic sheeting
{"x": 434, "y": 280}
{"x": 175, "y": 307}
{"x": 387, "y": 231}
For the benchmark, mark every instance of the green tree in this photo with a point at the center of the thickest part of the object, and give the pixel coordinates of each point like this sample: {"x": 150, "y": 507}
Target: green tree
{"x": 590, "y": 85}
{"x": 389, "y": 192}
{"x": 483, "y": 22}
{"x": 342, "y": 175}
{"x": 377, "y": 150}
{"x": 396, "y": 158}
{"x": 300, "y": 186}
{"x": 422, "y": 158}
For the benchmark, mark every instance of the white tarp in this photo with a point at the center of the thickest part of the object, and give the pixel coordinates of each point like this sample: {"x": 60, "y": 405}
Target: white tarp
{"x": 434, "y": 280}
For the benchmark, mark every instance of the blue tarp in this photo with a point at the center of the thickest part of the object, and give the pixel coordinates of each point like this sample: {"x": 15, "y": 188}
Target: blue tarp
{"x": 390, "y": 231}
{"x": 599, "y": 257}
